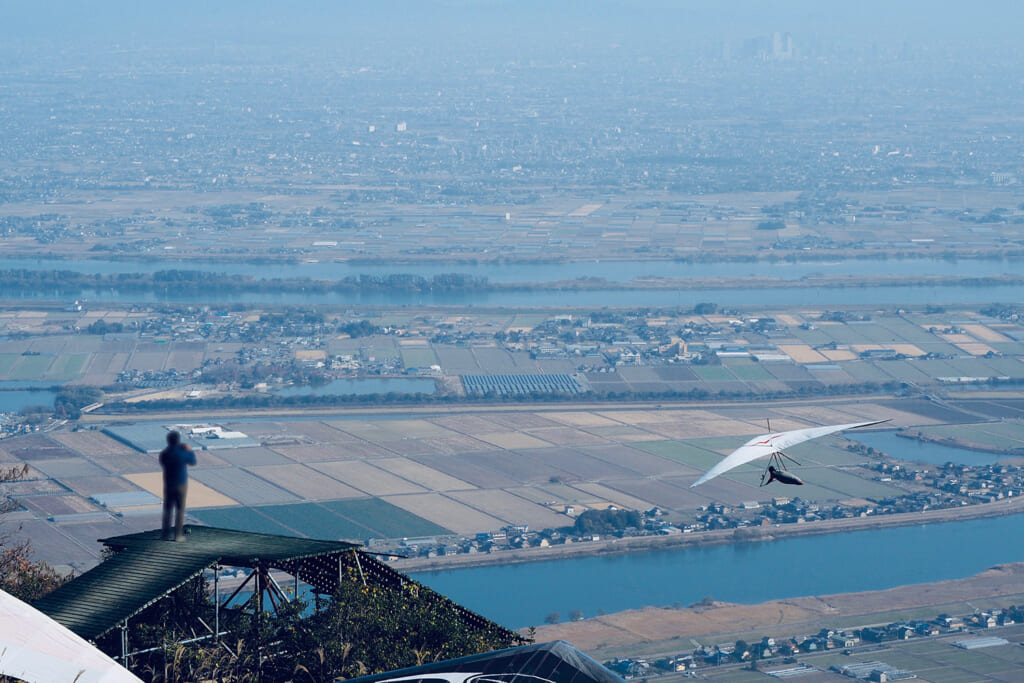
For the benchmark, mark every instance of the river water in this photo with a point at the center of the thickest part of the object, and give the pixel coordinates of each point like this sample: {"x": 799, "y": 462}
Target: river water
{"x": 612, "y": 271}
{"x": 759, "y": 297}
{"x": 912, "y": 450}
{"x": 16, "y": 395}
{"x": 520, "y": 595}
{"x": 14, "y": 401}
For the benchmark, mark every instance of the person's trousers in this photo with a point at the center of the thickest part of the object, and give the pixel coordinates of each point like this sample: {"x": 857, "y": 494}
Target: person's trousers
{"x": 174, "y": 501}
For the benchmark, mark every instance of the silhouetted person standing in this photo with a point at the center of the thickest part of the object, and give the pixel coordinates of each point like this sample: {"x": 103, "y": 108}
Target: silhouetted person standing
{"x": 175, "y": 460}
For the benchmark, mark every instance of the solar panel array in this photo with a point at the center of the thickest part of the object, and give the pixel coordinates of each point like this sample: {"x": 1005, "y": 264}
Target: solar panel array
{"x": 514, "y": 385}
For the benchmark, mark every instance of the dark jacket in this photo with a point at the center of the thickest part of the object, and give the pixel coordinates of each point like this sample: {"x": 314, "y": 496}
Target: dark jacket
{"x": 174, "y": 460}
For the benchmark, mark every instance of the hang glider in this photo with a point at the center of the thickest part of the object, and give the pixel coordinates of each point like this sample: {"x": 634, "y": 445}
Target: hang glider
{"x": 771, "y": 446}
{"x": 36, "y": 649}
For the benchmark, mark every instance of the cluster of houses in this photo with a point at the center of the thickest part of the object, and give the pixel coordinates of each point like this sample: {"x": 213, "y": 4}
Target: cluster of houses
{"x": 512, "y": 537}
{"x": 596, "y": 344}
{"x": 951, "y": 484}
{"x": 756, "y": 354}
{"x": 152, "y": 379}
{"x": 786, "y": 650}
{"x": 944, "y": 486}
{"x": 12, "y": 424}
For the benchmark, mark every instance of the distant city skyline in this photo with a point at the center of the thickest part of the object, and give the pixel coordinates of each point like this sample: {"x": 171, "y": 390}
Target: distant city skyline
{"x": 444, "y": 23}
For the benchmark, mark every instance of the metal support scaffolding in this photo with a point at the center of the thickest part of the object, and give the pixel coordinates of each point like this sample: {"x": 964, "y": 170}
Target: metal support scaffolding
{"x": 359, "y": 566}
{"x": 216, "y": 602}
{"x": 145, "y": 569}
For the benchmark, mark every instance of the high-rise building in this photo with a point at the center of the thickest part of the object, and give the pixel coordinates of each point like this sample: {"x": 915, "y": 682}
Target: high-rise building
{"x": 782, "y": 45}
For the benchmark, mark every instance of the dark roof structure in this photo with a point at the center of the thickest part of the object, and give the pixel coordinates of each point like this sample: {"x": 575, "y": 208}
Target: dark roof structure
{"x": 146, "y": 568}
{"x": 556, "y": 662}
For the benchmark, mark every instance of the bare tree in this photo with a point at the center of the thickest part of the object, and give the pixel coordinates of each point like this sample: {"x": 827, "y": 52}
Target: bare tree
{"x": 20, "y": 575}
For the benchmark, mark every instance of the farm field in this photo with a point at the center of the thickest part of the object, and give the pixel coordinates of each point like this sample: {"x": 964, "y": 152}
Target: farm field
{"x": 805, "y": 353}
{"x": 996, "y": 436}
{"x": 393, "y": 475}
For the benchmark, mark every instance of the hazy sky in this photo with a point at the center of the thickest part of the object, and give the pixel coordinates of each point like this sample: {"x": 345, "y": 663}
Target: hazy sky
{"x": 885, "y": 21}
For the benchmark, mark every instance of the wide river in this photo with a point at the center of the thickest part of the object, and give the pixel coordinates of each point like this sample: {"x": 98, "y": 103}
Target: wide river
{"x": 611, "y": 271}
{"x": 520, "y": 595}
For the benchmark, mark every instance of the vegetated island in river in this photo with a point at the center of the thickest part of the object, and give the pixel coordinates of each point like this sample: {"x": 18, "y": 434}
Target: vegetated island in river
{"x": 773, "y": 256}
{"x": 69, "y": 282}
{"x": 1006, "y": 506}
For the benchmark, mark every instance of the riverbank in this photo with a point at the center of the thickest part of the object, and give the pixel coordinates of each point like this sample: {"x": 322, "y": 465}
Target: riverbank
{"x": 358, "y": 411}
{"x": 962, "y": 443}
{"x": 69, "y": 283}
{"x": 1007, "y": 506}
{"x": 654, "y": 631}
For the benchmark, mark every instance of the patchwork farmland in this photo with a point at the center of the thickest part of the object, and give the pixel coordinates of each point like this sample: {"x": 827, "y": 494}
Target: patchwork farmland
{"x": 393, "y": 475}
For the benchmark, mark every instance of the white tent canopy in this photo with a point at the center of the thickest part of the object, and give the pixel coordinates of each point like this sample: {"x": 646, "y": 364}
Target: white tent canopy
{"x": 36, "y": 649}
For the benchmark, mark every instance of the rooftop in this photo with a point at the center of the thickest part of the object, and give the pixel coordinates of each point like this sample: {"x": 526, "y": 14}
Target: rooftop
{"x": 145, "y": 568}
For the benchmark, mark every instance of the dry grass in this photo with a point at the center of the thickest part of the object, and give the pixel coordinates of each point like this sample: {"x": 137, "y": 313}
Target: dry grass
{"x": 839, "y": 355}
{"x": 512, "y": 440}
{"x": 986, "y": 334}
{"x": 908, "y": 349}
{"x": 145, "y": 360}
{"x": 458, "y": 443}
{"x": 802, "y": 353}
{"x": 467, "y": 424}
{"x": 581, "y": 419}
{"x": 421, "y": 474}
{"x": 871, "y": 411}
{"x": 976, "y": 348}
{"x": 199, "y": 494}
{"x": 170, "y": 394}
{"x": 905, "y": 349}
{"x": 305, "y": 482}
{"x": 623, "y": 501}
{"x": 652, "y": 624}
{"x": 686, "y": 428}
{"x": 513, "y": 509}
{"x": 318, "y": 453}
{"x": 562, "y": 436}
{"x": 366, "y": 477}
{"x": 419, "y": 429}
{"x": 957, "y": 338}
{"x": 819, "y": 416}
{"x": 93, "y": 443}
{"x": 446, "y": 512}
{"x": 584, "y": 210}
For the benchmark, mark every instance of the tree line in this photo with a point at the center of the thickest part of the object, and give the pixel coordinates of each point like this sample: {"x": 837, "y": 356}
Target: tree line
{"x": 270, "y": 400}
{"x": 194, "y": 281}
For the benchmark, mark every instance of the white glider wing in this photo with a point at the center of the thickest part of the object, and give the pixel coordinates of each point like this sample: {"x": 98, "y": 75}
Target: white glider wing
{"x": 36, "y": 649}
{"x": 766, "y": 444}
